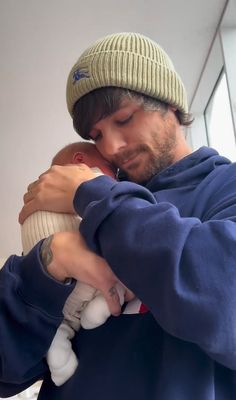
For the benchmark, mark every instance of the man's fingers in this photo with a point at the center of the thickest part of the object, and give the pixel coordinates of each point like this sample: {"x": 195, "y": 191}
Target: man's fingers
{"x": 27, "y": 210}
{"x": 52, "y": 168}
{"x": 28, "y": 197}
{"x": 113, "y": 300}
{"x": 31, "y": 185}
{"x": 129, "y": 295}
{"x": 54, "y": 190}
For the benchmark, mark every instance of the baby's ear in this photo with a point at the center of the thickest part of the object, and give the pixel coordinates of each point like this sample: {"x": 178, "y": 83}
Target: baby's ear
{"x": 77, "y": 158}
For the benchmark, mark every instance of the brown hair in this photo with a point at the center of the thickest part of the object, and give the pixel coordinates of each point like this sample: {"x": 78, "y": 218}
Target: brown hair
{"x": 105, "y": 101}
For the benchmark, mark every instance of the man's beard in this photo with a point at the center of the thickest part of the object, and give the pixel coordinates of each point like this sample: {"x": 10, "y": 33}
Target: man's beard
{"x": 159, "y": 158}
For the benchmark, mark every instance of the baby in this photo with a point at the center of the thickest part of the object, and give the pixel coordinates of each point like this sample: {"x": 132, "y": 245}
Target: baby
{"x": 85, "y": 306}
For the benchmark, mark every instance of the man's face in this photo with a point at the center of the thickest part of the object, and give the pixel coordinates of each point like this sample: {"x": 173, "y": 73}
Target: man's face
{"x": 141, "y": 143}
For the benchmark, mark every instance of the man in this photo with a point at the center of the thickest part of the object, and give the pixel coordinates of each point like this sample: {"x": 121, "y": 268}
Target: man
{"x": 168, "y": 233}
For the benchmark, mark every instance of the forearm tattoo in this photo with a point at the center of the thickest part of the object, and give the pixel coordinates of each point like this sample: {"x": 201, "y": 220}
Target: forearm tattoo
{"x": 112, "y": 291}
{"x": 46, "y": 253}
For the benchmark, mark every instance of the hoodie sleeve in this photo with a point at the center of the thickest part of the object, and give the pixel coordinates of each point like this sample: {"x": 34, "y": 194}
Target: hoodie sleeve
{"x": 31, "y": 305}
{"x": 183, "y": 269}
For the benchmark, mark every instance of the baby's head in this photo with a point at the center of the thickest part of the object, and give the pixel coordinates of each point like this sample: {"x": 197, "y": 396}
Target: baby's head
{"x": 86, "y": 153}
{"x": 42, "y": 224}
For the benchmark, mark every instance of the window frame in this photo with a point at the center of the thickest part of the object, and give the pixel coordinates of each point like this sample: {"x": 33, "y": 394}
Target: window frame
{"x": 221, "y": 57}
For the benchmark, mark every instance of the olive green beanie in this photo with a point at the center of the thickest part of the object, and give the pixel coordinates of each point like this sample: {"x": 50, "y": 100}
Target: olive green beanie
{"x": 126, "y": 60}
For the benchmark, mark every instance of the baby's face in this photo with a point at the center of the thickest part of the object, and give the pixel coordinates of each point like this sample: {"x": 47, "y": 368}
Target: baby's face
{"x": 96, "y": 160}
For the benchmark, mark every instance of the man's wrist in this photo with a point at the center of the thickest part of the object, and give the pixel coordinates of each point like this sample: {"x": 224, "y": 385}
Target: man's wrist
{"x": 46, "y": 254}
{"x": 48, "y": 261}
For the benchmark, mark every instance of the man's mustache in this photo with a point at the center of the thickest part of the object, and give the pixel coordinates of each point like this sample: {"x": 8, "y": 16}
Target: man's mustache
{"x": 128, "y": 154}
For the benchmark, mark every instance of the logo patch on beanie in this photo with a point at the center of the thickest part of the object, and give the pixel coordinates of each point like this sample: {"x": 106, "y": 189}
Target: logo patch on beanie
{"x": 80, "y": 73}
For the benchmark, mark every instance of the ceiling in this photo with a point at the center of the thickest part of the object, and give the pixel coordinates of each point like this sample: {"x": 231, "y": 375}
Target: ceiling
{"x": 39, "y": 43}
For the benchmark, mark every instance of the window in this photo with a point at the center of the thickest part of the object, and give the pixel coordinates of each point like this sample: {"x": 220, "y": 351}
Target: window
{"x": 214, "y": 101}
{"x": 218, "y": 119}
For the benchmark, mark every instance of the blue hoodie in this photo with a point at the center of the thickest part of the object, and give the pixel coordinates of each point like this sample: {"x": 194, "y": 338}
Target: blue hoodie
{"x": 173, "y": 243}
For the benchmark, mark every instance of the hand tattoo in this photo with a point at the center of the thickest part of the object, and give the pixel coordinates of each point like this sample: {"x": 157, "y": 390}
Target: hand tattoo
{"x": 46, "y": 254}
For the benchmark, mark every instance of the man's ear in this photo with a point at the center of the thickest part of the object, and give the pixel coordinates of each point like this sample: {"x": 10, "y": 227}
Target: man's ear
{"x": 77, "y": 158}
{"x": 172, "y": 108}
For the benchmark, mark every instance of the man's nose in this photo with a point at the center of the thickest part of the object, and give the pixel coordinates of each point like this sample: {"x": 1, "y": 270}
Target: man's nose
{"x": 113, "y": 142}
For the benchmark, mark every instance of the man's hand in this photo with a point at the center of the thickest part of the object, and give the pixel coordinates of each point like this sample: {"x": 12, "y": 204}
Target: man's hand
{"x": 55, "y": 189}
{"x": 66, "y": 255}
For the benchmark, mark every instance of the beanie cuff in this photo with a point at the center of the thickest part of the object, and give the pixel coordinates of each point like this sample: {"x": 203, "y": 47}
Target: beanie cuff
{"x": 128, "y": 61}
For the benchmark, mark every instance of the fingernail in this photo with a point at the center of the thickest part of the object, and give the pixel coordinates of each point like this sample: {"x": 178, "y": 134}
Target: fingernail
{"x": 116, "y": 314}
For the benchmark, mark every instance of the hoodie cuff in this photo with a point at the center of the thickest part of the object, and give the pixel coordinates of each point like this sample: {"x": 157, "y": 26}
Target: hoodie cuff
{"x": 40, "y": 289}
{"x": 93, "y": 190}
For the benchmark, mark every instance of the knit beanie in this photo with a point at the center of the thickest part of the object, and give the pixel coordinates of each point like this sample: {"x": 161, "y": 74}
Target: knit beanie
{"x": 126, "y": 60}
